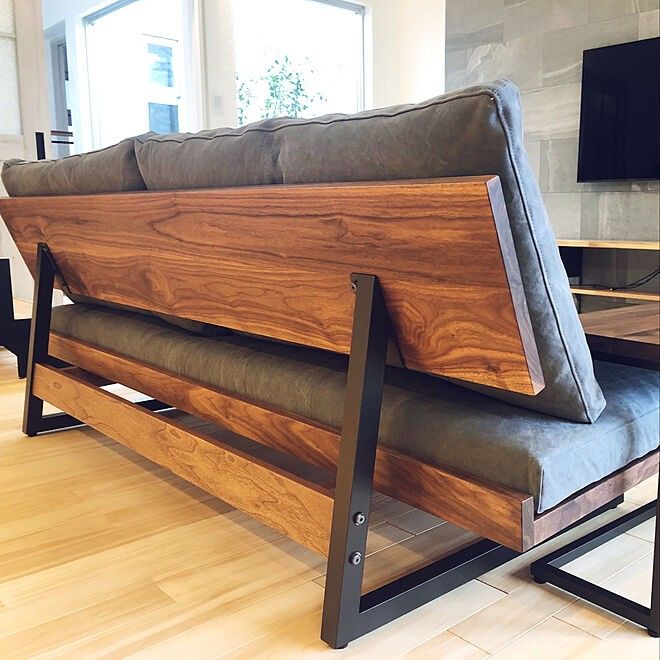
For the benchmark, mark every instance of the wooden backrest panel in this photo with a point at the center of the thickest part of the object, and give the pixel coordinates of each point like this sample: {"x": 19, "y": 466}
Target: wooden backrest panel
{"x": 276, "y": 261}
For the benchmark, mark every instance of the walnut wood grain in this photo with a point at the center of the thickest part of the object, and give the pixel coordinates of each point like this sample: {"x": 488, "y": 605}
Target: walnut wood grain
{"x": 638, "y": 323}
{"x": 563, "y": 515}
{"x": 300, "y": 509}
{"x": 276, "y": 261}
{"x": 501, "y": 514}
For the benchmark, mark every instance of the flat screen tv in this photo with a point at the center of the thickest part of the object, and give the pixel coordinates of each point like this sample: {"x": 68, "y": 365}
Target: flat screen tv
{"x": 620, "y": 112}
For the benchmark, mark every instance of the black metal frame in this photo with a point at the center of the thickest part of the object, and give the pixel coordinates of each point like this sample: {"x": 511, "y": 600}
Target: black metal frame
{"x": 14, "y": 333}
{"x": 548, "y": 569}
{"x": 34, "y": 420}
{"x": 347, "y": 613}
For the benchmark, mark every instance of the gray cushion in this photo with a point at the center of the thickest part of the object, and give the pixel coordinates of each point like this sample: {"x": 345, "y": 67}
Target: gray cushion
{"x": 112, "y": 169}
{"x": 211, "y": 159}
{"x": 196, "y": 327}
{"x": 474, "y": 131}
{"x": 423, "y": 416}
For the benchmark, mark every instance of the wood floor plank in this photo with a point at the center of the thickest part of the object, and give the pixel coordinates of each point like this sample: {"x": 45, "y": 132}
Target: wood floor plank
{"x": 552, "y": 640}
{"x": 446, "y": 645}
{"x": 627, "y": 641}
{"x": 512, "y": 616}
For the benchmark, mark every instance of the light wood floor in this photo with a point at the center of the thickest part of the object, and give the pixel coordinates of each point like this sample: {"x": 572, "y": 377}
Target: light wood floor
{"x": 103, "y": 554}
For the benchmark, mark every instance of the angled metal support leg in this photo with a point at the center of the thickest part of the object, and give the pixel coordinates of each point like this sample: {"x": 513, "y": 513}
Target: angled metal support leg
{"x": 347, "y": 613}
{"x": 357, "y": 455}
{"x": 44, "y": 282}
{"x": 549, "y": 569}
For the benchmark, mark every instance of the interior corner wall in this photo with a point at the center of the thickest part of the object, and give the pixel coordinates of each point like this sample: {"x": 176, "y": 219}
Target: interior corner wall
{"x": 538, "y": 45}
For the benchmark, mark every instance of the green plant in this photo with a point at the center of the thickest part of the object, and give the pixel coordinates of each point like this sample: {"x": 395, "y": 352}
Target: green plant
{"x": 284, "y": 92}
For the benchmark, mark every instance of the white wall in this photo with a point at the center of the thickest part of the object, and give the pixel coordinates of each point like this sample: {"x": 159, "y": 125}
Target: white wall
{"x": 219, "y": 66}
{"x": 408, "y": 50}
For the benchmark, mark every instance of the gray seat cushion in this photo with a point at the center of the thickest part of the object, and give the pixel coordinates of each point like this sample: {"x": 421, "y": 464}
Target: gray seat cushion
{"x": 112, "y": 169}
{"x": 430, "y": 418}
{"x": 474, "y": 131}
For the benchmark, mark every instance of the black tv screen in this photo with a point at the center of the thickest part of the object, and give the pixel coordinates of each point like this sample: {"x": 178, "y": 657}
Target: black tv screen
{"x": 620, "y": 112}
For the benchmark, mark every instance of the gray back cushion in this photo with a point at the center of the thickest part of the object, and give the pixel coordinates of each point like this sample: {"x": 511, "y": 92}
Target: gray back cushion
{"x": 474, "y": 131}
{"x": 113, "y": 169}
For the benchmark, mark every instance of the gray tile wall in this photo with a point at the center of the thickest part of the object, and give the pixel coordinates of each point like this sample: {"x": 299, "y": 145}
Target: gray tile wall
{"x": 538, "y": 44}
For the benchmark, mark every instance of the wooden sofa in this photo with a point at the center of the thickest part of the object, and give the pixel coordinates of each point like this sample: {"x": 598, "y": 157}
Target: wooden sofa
{"x": 378, "y": 296}
{"x": 354, "y": 269}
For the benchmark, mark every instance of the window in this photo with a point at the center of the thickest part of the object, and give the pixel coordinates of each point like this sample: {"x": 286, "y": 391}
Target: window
{"x": 162, "y": 93}
{"x": 161, "y": 65}
{"x": 163, "y": 118}
{"x": 134, "y": 61}
{"x": 298, "y": 58}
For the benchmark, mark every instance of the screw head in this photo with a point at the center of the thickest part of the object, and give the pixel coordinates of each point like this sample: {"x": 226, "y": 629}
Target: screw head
{"x": 353, "y": 286}
{"x": 355, "y": 558}
{"x": 359, "y": 518}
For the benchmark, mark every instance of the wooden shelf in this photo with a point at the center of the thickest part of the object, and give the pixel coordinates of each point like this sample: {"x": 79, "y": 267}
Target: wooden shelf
{"x": 573, "y": 262}
{"x": 631, "y": 294}
{"x": 608, "y": 244}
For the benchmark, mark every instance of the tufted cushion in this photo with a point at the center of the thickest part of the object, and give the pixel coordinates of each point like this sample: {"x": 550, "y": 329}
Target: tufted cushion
{"x": 112, "y": 169}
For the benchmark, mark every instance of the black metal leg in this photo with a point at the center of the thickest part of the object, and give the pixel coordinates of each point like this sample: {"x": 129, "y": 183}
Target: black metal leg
{"x": 6, "y": 296}
{"x": 654, "y": 613}
{"x": 355, "y": 469}
{"x": 22, "y": 345}
{"x": 39, "y": 333}
{"x": 347, "y": 614}
{"x": 548, "y": 569}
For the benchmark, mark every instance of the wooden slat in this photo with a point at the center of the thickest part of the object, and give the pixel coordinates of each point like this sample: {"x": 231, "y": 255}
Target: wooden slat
{"x": 491, "y": 510}
{"x": 562, "y": 516}
{"x": 608, "y": 244}
{"x": 300, "y": 509}
{"x": 630, "y": 294}
{"x": 276, "y": 261}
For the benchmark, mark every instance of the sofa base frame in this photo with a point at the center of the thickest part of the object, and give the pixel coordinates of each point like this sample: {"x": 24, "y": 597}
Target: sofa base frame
{"x": 549, "y": 569}
{"x": 330, "y": 521}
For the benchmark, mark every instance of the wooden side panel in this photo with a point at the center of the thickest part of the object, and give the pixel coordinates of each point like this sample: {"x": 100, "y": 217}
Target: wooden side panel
{"x": 297, "y": 508}
{"x": 562, "y": 516}
{"x": 276, "y": 261}
{"x": 500, "y": 514}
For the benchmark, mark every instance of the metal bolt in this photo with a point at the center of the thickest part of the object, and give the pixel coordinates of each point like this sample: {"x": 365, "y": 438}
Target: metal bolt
{"x": 359, "y": 518}
{"x": 353, "y": 286}
{"x": 355, "y": 558}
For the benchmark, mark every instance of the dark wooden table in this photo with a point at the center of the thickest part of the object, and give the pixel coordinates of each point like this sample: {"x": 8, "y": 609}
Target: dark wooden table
{"x": 629, "y": 334}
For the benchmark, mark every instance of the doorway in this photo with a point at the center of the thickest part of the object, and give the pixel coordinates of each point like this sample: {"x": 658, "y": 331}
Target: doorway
{"x": 136, "y": 62}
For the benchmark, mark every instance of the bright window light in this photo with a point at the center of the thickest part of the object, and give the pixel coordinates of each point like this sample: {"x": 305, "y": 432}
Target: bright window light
{"x": 135, "y": 68}
{"x": 298, "y": 58}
